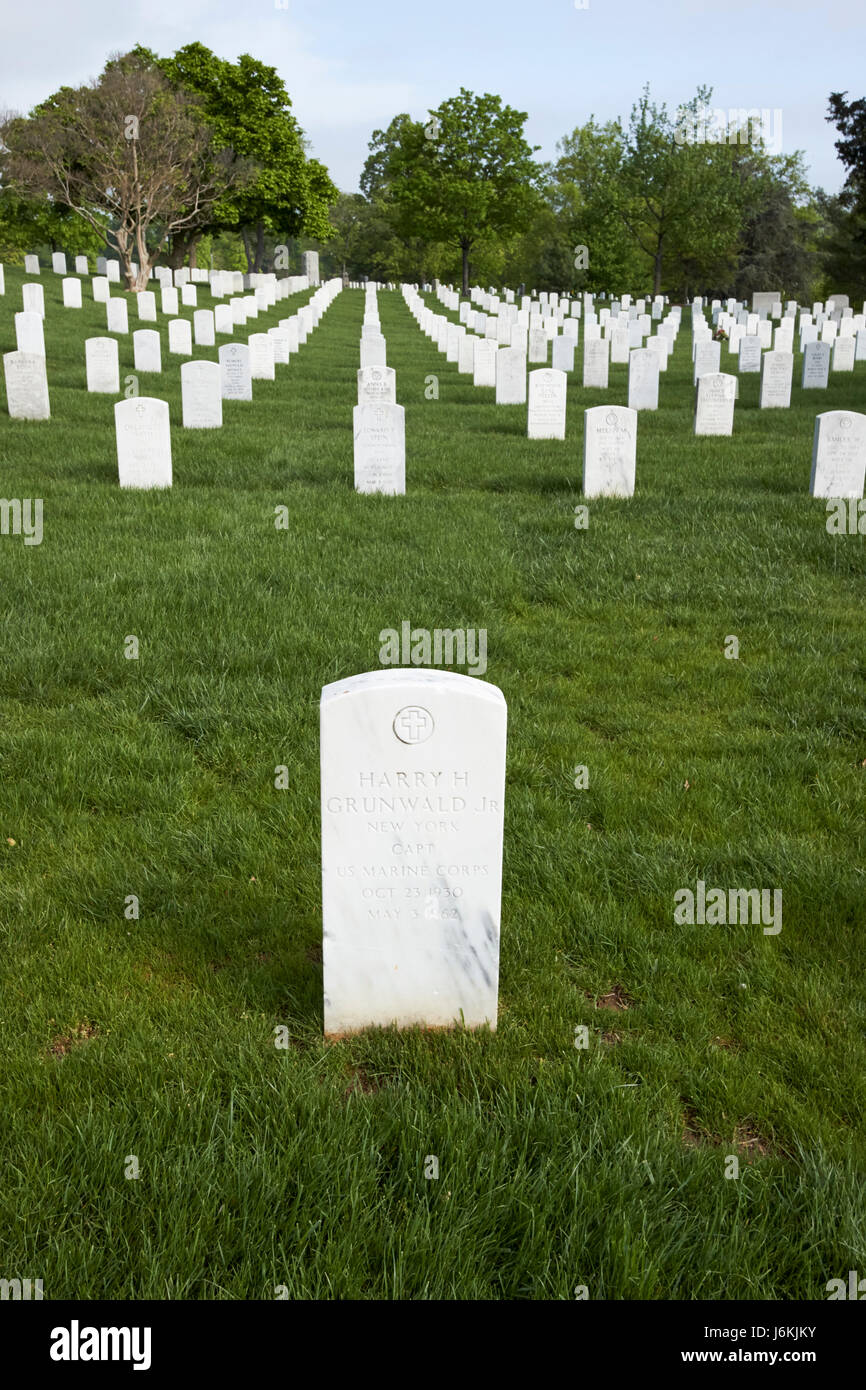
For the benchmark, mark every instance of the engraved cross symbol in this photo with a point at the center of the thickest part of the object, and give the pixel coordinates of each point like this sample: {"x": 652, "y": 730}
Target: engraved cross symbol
{"x": 413, "y": 724}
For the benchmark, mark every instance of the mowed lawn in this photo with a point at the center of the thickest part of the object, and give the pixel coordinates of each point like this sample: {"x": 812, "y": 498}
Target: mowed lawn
{"x": 302, "y": 1169}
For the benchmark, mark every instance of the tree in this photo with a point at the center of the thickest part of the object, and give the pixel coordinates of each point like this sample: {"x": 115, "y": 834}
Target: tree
{"x": 247, "y": 108}
{"x": 127, "y": 154}
{"x": 677, "y": 198}
{"x": 847, "y": 214}
{"x": 466, "y": 173}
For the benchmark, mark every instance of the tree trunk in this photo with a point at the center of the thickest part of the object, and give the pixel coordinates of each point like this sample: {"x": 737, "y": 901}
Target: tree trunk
{"x": 657, "y": 268}
{"x": 248, "y": 251}
{"x": 193, "y": 244}
{"x": 464, "y": 247}
{"x": 260, "y": 247}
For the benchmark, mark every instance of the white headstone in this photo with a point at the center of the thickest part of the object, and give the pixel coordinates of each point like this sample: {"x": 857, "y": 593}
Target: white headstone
{"x": 546, "y": 413}
{"x": 116, "y": 316}
{"x": 224, "y": 322}
{"x": 839, "y": 454}
{"x": 180, "y": 337}
{"x": 750, "y": 353}
{"x": 189, "y": 296}
{"x": 236, "y": 378}
{"x": 484, "y": 369}
{"x": 101, "y": 290}
{"x": 143, "y": 442}
{"x": 146, "y": 350}
{"x": 510, "y": 376}
{"x": 412, "y": 784}
{"x": 103, "y": 365}
{"x": 168, "y": 299}
{"x": 563, "y": 354}
{"x": 843, "y": 355}
{"x": 377, "y": 385}
{"x": 29, "y": 333}
{"x": 816, "y": 366}
{"x": 201, "y": 389}
{"x": 643, "y": 379}
{"x": 31, "y": 265}
{"x": 204, "y": 327}
{"x": 58, "y": 263}
{"x": 71, "y": 293}
{"x": 33, "y": 300}
{"x": 26, "y": 386}
{"x": 609, "y": 451}
{"x": 262, "y": 367}
{"x": 145, "y": 302}
{"x": 777, "y": 371}
{"x": 380, "y": 448}
{"x": 373, "y": 351}
{"x": 714, "y": 412}
{"x": 707, "y": 358}
{"x": 595, "y": 362}
{"x": 81, "y": 266}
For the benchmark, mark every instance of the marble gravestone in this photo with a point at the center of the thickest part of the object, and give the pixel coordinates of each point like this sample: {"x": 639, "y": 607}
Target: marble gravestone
{"x": 373, "y": 351}
{"x": 262, "y": 360}
{"x": 145, "y": 303}
{"x": 33, "y": 300}
{"x": 484, "y": 368}
{"x": 71, "y": 292}
{"x": 180, "y": 337}
{"x": 510, "y": 376}
{"x": 204, "y": 327}
{"x": 546, "y": 412}
{"x": 380, "y": 448}
{"x": 116, "y": 316}
{"x": 777, "y": 371}
{"x": 707, "y": 358}
{"x": 26, "y": 386}
{"x": 609, "y": 451}
{"x": 101, "y": 290}
{"x": 839, "y": 454}
{"x": 81, "y": 266}
{"x": 201, "y": 390}
{"x": 563, "y": 354}
{"x": 29, "y": 333}
{"x": 595, "y": 362}
{"x": 412, "y": 797}
{"x": 143, "y": 442}
{"x": 714, "y": 411}
{"x": 103, "y": 365}
{"x": 31, "y": 265}
{"x": 816, "y": 366}
{"x": 224, "y": 323}
{"x": 235, "y": 375}
{"x": 749, "y": 359}
{"x": 843, "y": 355}
{"x": 147, "y": 355}
{"x": 643, "y": 379}
{"x": 377, "y": 385}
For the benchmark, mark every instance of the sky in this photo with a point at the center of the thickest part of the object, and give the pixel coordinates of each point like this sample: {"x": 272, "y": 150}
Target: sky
{"x": 350, "y": 67}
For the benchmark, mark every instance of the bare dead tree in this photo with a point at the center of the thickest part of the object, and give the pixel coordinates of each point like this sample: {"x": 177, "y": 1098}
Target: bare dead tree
{"x": 128, "y": 145}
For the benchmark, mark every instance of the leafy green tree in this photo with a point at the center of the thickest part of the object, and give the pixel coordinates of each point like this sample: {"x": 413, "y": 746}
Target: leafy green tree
{"x": 248, "y": 109}
{"x": 846, "y": 251}
{"x": 466, "y": 173}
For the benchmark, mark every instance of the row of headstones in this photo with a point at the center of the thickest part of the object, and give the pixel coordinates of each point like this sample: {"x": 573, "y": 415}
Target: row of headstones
{"x": 142, "y": 424}
{"x": 505, "y": 368}
{"x": 203, "y": 390}
{"x": 624, "y": 331}
{"x": 222, "y": 282}
{"x": 373, "y": 348}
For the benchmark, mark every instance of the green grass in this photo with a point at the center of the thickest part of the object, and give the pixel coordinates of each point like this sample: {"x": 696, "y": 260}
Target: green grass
{"x": 304, "y": 1167}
